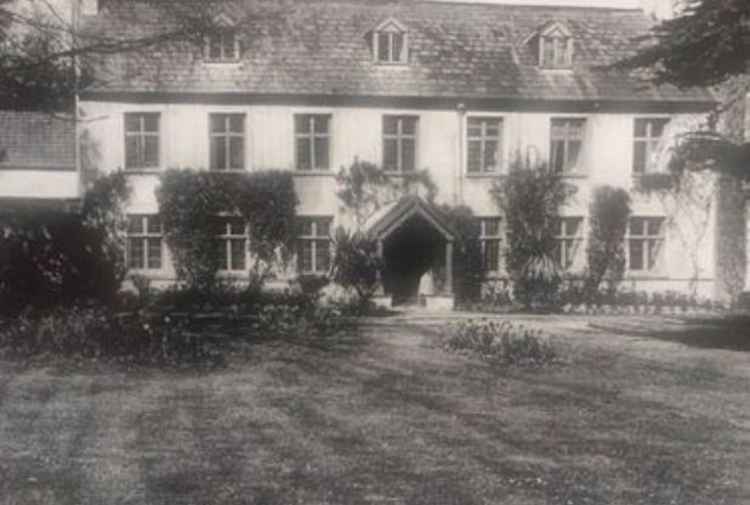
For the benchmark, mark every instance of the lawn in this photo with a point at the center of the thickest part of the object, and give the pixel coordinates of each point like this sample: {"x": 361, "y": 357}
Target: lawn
{"x": 640, "y": 412}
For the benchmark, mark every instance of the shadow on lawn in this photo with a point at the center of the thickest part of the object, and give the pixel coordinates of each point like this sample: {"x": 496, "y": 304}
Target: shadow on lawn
{"x": 728, "y": 333}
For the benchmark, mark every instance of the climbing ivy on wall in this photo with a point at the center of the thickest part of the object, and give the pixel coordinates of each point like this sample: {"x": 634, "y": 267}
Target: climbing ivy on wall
{"x": 191, "y": 204}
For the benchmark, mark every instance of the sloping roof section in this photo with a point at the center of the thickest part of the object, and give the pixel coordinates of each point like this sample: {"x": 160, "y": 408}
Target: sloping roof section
{"x": 389, "y": 217}
{"x": 36, "y": 140}
{"x": 468, "y": 51}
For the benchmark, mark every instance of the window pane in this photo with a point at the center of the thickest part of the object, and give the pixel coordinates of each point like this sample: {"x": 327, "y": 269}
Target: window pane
{"x": 639, "y": 157}
{"x": 321, "y": 124}
{"x": 237, "y": 153}
{"x": 636, "y": 226}
{"x": 493, "y": 128}
{"x": 657, "y": 127}
{"x": 654, "y": 253}
{"x": 491, "y": 255}
{"x": 654, "y": 227}
{"x": 154, "y": 253}
{"x": 237, "y": 251}
{"x": 490, "y": 155}
{"x": 132, "y": 151}
{"x": 237, "y": 123}
{"x": 135, "y": 224}
{"x": 636, "y": 254}
{"x": 390, "y": 125}
{"x": 574, "y": 149}
{"x": 491, "y": 227}
{"x": 304, "y": 255}
{"x": 214, "y": 43}
{"x": 304, "y": 227}
{"x": 398, "y": 46}
{"x": 383, "y": 47}
{"x": 548, "y": 52}
{"x": 323, "y": 227}
{"x": 151, "y": 151}
{"x": 301, "y": 123}
{"x": 304, "y": 155}
{"x": 218, "y": 153}
{"x": 573, "y": 226}
{"x": 218, "y": 123}
{"x": 474, "y": 127}
{"x": 390, "y": 154}
{"x": 409, "y": 125}
{"x": 151, "y": 123}
{"x": 321, "y": 153}
{"x": 557, "y": 155}
{"x": 322, "y": 255}
{"x": 409, "y": 155}
{"x": 474, "y": 156}
{"x": 223, "y": 262}
{"x": 640, "y": 127}
{"x": 154, "y": 224}
{"x": 132, "y": 122}
{"x": 135, "y": 252}
{"x": 236, "y": 226}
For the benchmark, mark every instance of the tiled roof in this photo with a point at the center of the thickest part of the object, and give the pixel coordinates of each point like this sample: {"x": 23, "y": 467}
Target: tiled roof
{"x": 455, "y": 51}
{"x": 36, "y": 140}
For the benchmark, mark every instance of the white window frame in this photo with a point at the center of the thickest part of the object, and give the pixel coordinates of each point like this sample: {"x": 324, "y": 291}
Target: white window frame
{"x": 222, "y": 35}
{"x": 226, "y": 238}
{"x": 312, "y": 136}
{"x": 485, "y": 238}
{"x": 651, "y": 143}
{"x": 390, "y": 30}
{"x": 647, "y": 240}
{"x": 567, "y": 168}
{"x": 228, "y": 134}
{"x": 569, "y": 244}
{"x": 483, "y": 139}
{"x": 313, "y": 239}
{"x": 147, "y": 237}
{"x": 566, "y": 47}
{"x": 399, "y": 137}
{"x": 142, "y": 134}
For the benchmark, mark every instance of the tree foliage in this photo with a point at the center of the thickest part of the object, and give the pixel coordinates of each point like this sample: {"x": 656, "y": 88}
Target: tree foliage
{"x": 608, "y": 215}
{"x": 468, "y": 271}
{"x": 531, "y": 199}
{"x": 356, "y": 263}
{"x": 192, "y": 204}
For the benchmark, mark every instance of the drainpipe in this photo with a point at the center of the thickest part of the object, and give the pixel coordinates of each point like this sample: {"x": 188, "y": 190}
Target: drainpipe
{"x": 458, "y": 196}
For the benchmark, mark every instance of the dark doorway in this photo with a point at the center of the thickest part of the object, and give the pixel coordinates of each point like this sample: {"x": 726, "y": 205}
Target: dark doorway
{"x": 409, "y": 252}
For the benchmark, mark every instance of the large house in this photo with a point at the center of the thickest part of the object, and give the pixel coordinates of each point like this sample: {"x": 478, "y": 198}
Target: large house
{"x": 459, "y": 89}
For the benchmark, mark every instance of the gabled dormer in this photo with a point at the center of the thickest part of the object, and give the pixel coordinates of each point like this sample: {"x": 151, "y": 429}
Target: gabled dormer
{"x": 223, "y": 42}
{"x": 553, "y": 46}
{"x": 390, "y": 43}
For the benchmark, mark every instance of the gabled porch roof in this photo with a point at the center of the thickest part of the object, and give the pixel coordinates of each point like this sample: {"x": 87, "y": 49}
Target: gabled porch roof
{"x": 389, "y": 217}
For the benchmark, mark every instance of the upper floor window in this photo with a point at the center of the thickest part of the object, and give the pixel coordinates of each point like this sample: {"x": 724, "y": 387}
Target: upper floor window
{"x": 313, "y": 245}
{"x": 489, "y": 240}
{"x": 312, "y": 141}
{"x": 647, "y": 135}
{"x": 568, "y": 237}
{"x": 400, "y": 143}
{"x": 232, "y": 237}
{"x": 390, "y": 42}
{"x": 227, "y": 133}
{"x": 484, "y": 144}
{"x": 645, "y": 243}
{"x": 141, "y": 140}
{"x": 555, "y": 47}
{"x": 144, "y": 242}
{"x": 223, "y": 46}
{"x": 566, "y": 142}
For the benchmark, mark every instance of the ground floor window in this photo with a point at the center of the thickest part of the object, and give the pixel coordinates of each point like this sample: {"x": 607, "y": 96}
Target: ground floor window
{"x": 489, "y": 239}
{"x": 314, "y": 244}
{"x": 232, "y": 236}
{"x": 144, "y": 242}
{"x": 568, "y": 236}
{"x": 645, "y": 243}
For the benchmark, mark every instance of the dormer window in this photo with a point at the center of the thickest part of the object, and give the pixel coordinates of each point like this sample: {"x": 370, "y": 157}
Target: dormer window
{"x": 390, "y": 43}
{"x": 555, "y": 47}
{"x": 223, "y": 46}
{"x": 223, "y": 43}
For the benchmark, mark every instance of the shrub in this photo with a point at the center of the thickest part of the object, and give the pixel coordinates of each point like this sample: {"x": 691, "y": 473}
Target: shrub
{"x": 356, "y": 263}
{"x": 502, "y": 342}
{"x": 51, "y": 257}
{"x": 191, "y": 204}
{"x": 609, "y": 213}
{"x": 468, "y": 271}
{"x": 531, "y": 198}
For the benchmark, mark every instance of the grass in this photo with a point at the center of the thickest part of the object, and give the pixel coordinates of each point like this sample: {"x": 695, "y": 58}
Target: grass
{"x": 635, "y": 416}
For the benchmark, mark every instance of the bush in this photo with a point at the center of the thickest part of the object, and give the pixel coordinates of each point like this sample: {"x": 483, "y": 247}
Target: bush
{"x": 51, "y": 257}
{"x": 96, "y": 332}
{"x": 531, "y": 199}
{"x": 502, "y": 342}
{"x": 356, "y": 263}
{"x": 468, "y": 271}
